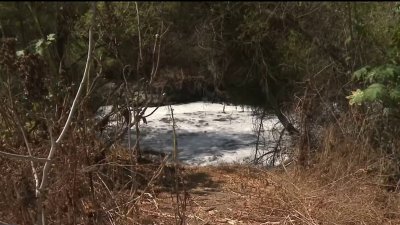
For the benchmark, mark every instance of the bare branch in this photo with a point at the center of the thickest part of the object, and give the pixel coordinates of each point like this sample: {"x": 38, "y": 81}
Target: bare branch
{"x": 79, "y": 93}
{"x": 151, "y": 112}
{"x": 159, "y": 50}
{"x": 138, "y": 27}
{"x": 23, "y": 157}
{"x": 46, "y": 169}
{"x": 21, "y": 128}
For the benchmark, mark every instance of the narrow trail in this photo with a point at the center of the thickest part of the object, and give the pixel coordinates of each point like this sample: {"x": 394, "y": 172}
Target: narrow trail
{"x": 246, "y": 195}
{"x": 220, "y": 195}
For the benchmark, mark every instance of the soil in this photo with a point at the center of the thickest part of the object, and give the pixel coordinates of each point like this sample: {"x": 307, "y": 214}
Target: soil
{"x": 248, "y": 195}
{"x": 220, "y": 195}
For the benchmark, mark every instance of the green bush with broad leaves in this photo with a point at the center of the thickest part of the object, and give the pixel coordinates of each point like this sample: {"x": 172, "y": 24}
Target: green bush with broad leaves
{"x": 383, "y": 85}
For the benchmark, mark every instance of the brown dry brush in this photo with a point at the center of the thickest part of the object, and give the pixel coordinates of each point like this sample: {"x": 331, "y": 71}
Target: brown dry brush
{"x": 81, "y": 190}
{"x": 320, "y": 101}
{"x": 87, "y": 185}
{"x": 348, "y": 164}
{"x": 338, "y": 139}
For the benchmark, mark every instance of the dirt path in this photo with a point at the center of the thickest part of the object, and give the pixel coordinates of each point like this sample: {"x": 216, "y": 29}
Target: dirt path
{"x": 245, "y": 195}
{"x": 235, "y": 196}
{"x": 223, "y": 195}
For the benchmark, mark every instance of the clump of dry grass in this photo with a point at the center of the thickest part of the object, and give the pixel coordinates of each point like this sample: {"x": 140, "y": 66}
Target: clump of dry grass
{"x": 343, "y": 186}
{"x": 351, "y": 199}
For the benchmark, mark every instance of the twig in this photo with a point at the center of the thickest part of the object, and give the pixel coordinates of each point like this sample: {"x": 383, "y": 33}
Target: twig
{"x": 23, "y": 157}
{"x": 18, "y": 122}
{"x": 138, "y": 27}
{"x": 155, "y": 176}
{"x": 258, "y": 135}
{"x": 109, "y": 191}
{"x": 151, "y": 112}
{"x": 179, "y": 211}
{"x": 278, "y": 143}
{"x": 4, "y": 223}
{"x": 155, "y": 68}
{"x": 175, "y": 141}
{"x": 79, "y": 93}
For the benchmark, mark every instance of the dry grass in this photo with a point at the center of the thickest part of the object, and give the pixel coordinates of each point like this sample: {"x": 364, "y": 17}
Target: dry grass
{"x": 245, "y": 195}
{"x": 343, "y": 186}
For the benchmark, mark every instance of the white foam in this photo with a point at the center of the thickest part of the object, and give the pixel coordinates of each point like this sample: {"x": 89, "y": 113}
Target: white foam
{"x": 205, "y": 134}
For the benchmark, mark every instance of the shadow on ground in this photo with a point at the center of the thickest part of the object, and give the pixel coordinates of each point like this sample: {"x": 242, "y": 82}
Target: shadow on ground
{"x": 200, "y": 179}
{"x": 199, "y": 182}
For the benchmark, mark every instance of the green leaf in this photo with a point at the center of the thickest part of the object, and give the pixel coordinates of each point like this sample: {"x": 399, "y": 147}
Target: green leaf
{"x": 395, "y": 94}
{"x": 375, "y": 92}
{"x": 361, "y": 73}
{"x": 381, "y": 74}
{"x": 386, "y": 74}
{"x": 356, "y": 97}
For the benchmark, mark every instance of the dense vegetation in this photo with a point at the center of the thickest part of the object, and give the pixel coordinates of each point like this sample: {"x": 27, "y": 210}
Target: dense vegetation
{"x": 333, "y": 67}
